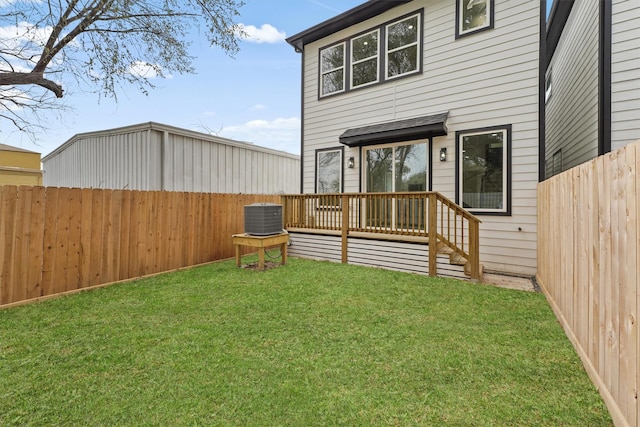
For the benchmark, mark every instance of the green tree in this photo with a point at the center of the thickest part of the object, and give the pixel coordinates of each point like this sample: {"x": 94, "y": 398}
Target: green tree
{"x": 105, "y": 43}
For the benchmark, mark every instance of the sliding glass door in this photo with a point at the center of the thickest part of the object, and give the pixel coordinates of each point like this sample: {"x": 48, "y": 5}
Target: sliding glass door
{"x": 396, "y": 168}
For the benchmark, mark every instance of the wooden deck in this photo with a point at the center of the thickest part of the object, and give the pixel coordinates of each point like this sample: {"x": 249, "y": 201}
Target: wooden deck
{"x": 417, "y": 218}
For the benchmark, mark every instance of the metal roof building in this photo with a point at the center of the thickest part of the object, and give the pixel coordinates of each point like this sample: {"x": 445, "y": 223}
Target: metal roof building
{"x": 157, "y": 157}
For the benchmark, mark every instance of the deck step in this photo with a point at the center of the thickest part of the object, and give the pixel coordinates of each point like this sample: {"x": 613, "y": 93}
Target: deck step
{"x": 444, "y": 249}
{"x": 457, "y": 259}
{"x": 467, "y": 270}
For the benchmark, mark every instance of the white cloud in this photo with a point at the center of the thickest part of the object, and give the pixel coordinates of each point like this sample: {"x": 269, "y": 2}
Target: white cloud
{"x": 258, "y": 107}
{"x": 24, "y": 40}
{"x": 146, "y": 70}
{"x": 265, "y": 34}
{"x": 279, "y": 134}
{"x": 16, "y": 35}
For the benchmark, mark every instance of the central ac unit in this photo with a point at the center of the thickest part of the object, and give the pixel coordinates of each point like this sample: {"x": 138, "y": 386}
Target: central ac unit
{"x": 263, "y": 219}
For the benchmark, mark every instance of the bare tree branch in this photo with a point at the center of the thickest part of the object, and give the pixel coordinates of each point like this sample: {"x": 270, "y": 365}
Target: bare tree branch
{"x": 32, "y": 78}
{"x": 101, "y": 43}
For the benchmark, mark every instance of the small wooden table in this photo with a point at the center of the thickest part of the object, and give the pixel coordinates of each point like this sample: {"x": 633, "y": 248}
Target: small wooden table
{"x": 261, "y": 242}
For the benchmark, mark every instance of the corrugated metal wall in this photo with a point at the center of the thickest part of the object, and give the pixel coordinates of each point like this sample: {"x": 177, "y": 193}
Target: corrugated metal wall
{"x": 127, "y": 160}
{"x": 153, "y": 156}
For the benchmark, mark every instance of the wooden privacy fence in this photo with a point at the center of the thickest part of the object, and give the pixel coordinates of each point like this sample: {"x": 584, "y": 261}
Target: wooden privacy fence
{"x": 55, "y": 240}
{"x": 588, "y": 258}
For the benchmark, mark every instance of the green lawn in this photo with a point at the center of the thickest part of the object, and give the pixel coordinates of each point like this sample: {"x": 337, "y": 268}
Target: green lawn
{"x": 308, "y": 343}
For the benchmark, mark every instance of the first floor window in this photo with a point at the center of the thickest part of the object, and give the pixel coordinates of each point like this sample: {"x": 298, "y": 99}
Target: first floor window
{"x": 483, "y": 175}
{"x": 473, "y": 16}
{"x": 329, "y": 171}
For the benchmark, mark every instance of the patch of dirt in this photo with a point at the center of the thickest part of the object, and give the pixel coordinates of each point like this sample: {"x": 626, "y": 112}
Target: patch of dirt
{"x": 268, "y": 265}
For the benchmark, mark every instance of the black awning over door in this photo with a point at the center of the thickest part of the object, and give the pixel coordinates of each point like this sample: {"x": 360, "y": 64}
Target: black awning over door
{"x": 400, "y": 130}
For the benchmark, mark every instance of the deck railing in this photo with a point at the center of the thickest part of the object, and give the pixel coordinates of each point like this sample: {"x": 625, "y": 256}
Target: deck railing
{"x": 426, "y": 217}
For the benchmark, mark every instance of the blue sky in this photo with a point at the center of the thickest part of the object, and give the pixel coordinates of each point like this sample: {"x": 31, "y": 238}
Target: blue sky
{"x": 253, "y": 97}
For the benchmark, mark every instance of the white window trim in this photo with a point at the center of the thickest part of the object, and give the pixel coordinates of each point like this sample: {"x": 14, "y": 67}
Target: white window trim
{"x": 416, "y": 43}
{"x": 486, "y": 25}
{"x": 505, "y": 169}
{"x": 352, "y": 62}
{"x": 343, "y": 67}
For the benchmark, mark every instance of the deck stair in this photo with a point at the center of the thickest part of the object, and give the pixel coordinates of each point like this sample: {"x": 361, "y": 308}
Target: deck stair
{"x": 456, "y": 258}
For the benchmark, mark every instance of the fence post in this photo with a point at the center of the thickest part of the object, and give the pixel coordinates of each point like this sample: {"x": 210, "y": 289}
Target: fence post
{"x": 285, "y": 211}
{"x": 433, "y": 239}
{"x": 474, "y": 249}
{"x": 345, "y": 227}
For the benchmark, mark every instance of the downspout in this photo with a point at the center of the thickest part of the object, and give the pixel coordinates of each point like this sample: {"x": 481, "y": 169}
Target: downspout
{"x": 604, "y": 78}
{"x": 302, "y": 122}
{"x": 430, "y": 163}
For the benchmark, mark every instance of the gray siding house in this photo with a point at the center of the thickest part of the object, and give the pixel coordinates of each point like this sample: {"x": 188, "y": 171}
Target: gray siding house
{"x": 156, "y": 157}
{"x": 592, "y": 80}
{"x": 428, "y": 95}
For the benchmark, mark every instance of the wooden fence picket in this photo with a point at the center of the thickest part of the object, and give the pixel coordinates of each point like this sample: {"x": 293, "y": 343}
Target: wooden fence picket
{"x": 8, "y": 203}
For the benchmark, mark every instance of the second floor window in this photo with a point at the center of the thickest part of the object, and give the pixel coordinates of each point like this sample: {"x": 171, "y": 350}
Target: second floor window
{"x": 332, "y": 69}
{"x": 364, "y": 59}
{"x": 473, "y": 16}
{"x": 389, "y": 51}
{"x": 402, "y": 47}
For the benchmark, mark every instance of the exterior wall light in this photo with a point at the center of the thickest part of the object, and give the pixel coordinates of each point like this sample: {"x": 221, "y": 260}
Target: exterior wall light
{"x": 443, "y": 154}
{"x": 351, "y": 162}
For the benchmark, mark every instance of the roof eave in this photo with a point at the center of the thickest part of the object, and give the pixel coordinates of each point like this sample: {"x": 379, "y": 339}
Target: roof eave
{"x": 5, "y": 147}
{"x": 344, "y": 20}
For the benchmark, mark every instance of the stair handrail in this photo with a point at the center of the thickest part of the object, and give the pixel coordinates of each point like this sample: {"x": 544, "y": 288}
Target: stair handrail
{"x": 472, "y": 254}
